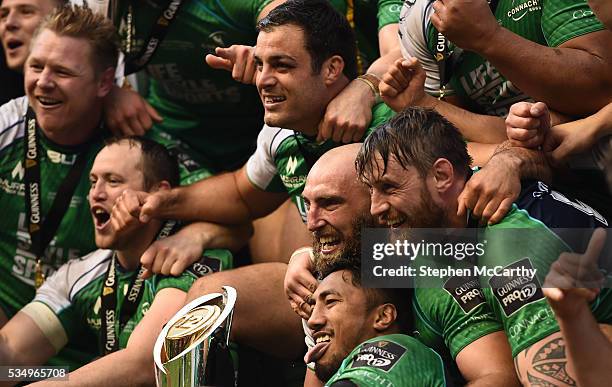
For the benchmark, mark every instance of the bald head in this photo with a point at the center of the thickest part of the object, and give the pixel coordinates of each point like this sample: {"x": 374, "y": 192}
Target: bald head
{"x": 337, "y": 165}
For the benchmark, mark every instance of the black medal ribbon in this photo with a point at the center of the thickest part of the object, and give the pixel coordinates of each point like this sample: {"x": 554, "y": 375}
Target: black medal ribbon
{"x": 109, "y": 335}
{"x": 134, "y": 63}
{"x": 41, "y": 233}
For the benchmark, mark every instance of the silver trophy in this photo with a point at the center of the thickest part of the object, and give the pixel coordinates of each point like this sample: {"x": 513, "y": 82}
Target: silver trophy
{"x": 192, "y": 349}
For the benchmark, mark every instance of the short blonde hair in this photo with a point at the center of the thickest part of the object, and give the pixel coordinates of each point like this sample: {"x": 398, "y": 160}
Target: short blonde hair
{"x": 81, "y": 22}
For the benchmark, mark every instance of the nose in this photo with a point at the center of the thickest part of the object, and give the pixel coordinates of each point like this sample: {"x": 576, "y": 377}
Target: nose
{"x": 265, "y": 77}
{"x": 313, "y": 219}
{"x": 316, "y": 322}
{"x": 97, "y": 192}
{"x": 11, "y": 21}
{"x": 378, "y": 205}
{"x": 45, "y": 79}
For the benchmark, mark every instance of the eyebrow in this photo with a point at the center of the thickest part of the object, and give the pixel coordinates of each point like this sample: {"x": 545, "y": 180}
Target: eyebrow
{"x": 328, "y": 292}
{"x": 276, "y": 58}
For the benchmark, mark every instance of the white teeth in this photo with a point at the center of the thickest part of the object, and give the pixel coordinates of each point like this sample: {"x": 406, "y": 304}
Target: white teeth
{"x": 48, "y": 101}
{"x": 395, "y": 222}
{"x": 274, "y": 99}
{"x": 328, "y": 239}
{"x": 323, "y": 338}
{"x": 99, "y": 211}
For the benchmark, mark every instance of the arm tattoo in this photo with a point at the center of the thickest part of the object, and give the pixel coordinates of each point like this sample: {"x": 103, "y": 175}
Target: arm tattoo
{"x": 549, "y": 364}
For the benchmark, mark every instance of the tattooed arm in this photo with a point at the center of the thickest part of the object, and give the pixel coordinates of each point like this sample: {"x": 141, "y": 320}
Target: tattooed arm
{"x": 580, "y": 356}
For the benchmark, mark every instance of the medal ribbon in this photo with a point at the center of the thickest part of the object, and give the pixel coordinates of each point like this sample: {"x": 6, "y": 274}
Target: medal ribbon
{"x": 41, "y": 233}
{"x": 109, "y": 335}
{"x": 134, "y": 63}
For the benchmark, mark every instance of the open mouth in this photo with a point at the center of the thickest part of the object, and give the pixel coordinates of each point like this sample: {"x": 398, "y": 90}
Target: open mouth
{"x": 396, "y": 222}
{"x": 101, "y": 217}
{"x": 322, "y": 342}
{"x": 329, "y": 243}
{"x": 48, "y": 102}
{"x": 13, "y": 44}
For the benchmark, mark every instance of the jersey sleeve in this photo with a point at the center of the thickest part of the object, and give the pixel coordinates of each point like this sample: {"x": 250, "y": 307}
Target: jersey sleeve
{"x": 212, "y": 261}
{"x": 388, "y": 12}
{"x": 563, "y": 20}
{"x": 458, "y": 313}
{"x": 514, "y": 295}
{"x": 261, "y": 167}
{"x": 52, "y": 310}
{"x": 381, "y": 113}
{"x": 413, "y": 29}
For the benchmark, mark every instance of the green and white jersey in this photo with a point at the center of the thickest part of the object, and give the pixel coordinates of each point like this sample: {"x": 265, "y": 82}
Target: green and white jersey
{"x": 392, "y": 360}
{"x": 218, "y": 117}
{"x": 284, "y": 157}
{"x": 205, "y": 108}
{"x": 474, "y": 79}
{"x": 67, "y": 306}
{"x": 517, "y": 300}
{"x": 75, "y": 235}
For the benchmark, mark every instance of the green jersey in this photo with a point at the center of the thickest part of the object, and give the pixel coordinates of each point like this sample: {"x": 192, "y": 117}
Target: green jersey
{"x": 517, "y": 299}
{"x": 450, "y": 318}
{"x": 72, "y": 295}
{"x": 392, "y": 360}
{"x": 75, "y": 235}
{"x": 284, "y": 157}
{"x": 474, "y": 79}
{"x": 216, "y": 116}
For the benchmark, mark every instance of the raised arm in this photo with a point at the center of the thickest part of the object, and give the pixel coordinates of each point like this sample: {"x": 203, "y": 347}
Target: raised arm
{"x": 582, "y": 76}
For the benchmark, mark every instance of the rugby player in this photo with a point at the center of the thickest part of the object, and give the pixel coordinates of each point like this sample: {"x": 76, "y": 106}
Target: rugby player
{"x": 100, "y": 302}
{"x": 358, "y": 334}
{"x": 416, "y": 165}
{"x": 305, "y": 56}
{"x": 472, "y": 343}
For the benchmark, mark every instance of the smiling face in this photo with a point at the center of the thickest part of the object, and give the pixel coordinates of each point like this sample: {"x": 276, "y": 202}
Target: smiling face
{"x": 18, "y": 21}
{"x": 338, "y": 205}
{"x": 63, "y": 88}
{"x": 340, "y": 321}
{"x": 116, "y": 168}
{"x": 292, "y": 95}
{"x": 401, "y": 197}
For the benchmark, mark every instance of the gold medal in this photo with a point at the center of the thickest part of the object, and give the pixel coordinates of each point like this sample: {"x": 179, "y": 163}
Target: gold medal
{"x": 39, "y": 276}
{"x": 190, "y": 328}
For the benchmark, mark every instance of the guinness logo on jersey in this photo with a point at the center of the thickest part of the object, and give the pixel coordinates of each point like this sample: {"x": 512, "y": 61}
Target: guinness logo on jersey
{"x": 514, "y": 292}
{"x": 381, "y": 354}
{"x": 205, "y": 266}
{"x": 466, "y": 292}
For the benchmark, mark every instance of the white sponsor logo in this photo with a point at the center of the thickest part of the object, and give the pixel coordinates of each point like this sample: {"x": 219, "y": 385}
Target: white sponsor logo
{"x": 519, "y": 12}
{"x": 292, "y": 164}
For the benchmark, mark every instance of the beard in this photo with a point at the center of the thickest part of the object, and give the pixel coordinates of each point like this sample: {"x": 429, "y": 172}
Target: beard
{"x": 427, "y": 214}
{"x": 349, "y": 255}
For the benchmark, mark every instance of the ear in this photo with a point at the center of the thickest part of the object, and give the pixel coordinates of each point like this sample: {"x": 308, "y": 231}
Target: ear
{"x": 106, "y": 82}
{"x": 332, "y": 69}
{"x": 443, "y": 174}
{"x": 386, "y": 315}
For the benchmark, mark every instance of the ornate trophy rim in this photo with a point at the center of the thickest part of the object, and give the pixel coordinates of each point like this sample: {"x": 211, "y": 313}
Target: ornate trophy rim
{"x": 228, "y": 300}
